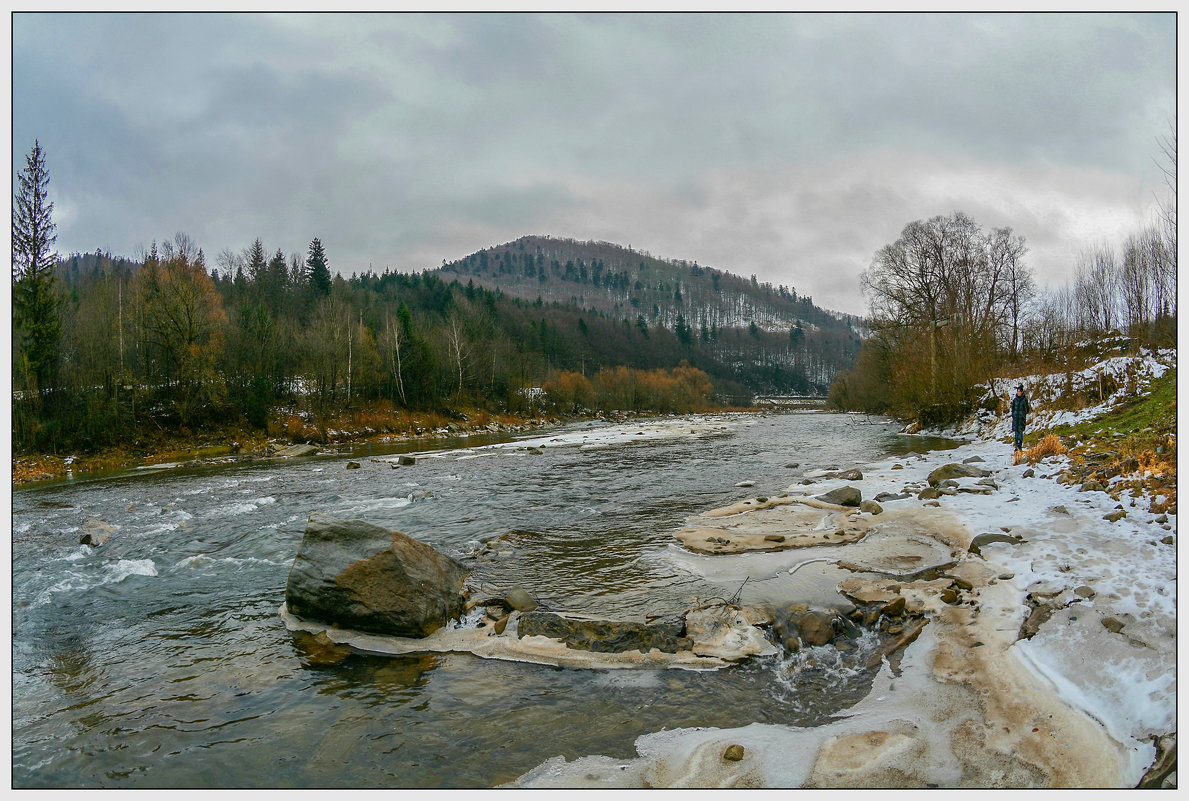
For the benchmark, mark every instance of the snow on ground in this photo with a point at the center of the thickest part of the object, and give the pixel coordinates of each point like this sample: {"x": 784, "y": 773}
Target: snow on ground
{"x": 1094, "y": 684}
{"x": 602, "y": 436}
{"x": 1128, "y": 374}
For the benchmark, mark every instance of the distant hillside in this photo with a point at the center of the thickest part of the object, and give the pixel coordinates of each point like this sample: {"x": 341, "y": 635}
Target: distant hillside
{"x": 769, "y": 338}
{"x": 626, "y": 283}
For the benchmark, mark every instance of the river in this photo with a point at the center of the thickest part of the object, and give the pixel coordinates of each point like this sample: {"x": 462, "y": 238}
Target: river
{"x": 160, "y": 660}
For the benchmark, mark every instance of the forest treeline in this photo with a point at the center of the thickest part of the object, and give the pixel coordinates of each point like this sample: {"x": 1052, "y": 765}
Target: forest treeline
{"x": 954, "y": 304}
{"x": 108, "y": 347}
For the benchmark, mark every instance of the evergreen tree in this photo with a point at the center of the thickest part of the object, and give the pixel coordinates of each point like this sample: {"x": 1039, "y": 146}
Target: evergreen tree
{"x": 319, "y": 269}
{"x": 35, "y": 301}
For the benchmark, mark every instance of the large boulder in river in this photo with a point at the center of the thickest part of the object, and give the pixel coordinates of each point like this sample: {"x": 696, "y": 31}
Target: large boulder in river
{"x": 953, "y": 470}
{"x": 357, "y": 575}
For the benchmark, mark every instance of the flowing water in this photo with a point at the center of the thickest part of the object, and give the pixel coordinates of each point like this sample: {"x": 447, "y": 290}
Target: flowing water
{"x": 159, "y": 659}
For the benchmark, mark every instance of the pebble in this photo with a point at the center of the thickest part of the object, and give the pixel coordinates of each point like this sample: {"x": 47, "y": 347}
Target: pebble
{"x": 1006, "y": 576}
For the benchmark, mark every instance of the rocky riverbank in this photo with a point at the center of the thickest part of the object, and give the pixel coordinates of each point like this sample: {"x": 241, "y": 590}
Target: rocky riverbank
{"x": 236, "y": 444}
{"x": 1047, "y": 655}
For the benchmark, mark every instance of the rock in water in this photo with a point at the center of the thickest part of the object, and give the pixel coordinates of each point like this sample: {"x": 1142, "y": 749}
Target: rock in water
{"x": 843, "y": 496}
{"x": 298, "y": 450}
{"x": 605, "y": 636}
{"x": 96, "y": 532}
{"x": 520, "y": 600}
{"x": 952, "y": 470}
{"x": 356, "y": 575}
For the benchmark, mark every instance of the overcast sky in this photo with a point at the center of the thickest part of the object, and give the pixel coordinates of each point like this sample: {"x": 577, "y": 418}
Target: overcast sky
{"x": 791, "y": 146}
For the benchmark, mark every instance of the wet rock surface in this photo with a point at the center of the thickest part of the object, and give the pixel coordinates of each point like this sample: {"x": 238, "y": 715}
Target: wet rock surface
{"x": 606, "y": 636}
{"x": 357, "y": 575}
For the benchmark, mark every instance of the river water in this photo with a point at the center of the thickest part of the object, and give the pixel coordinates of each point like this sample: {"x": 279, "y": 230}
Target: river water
{"x": 160, "y": 660}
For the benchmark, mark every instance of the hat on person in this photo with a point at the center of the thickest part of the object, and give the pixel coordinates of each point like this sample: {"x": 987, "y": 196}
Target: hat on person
{"x": 1020, "y": 387}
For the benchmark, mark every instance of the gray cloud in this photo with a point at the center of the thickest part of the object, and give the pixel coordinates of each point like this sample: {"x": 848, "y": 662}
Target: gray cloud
{"x": 789, "y": 146}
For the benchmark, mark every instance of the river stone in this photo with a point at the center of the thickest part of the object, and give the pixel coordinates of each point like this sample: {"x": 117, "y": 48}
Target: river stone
{"x": 1084, "y": 591}
{"x": 1168, "y": 540}
{"x": 952, "y": 471}
{"x": 520, "y": 600}
{"x": 1115, "y": 516}
{"x": 352, "y": 465}
{"x": 298, "y": 450}
{"x": 843, "y": 496}
{"x": 96, "y": 532}
{"x": 884, "y": 497}
{"x": 973, "y": 460}
{"x": 871, "y": 507}
{"x": 406, "y": 461}
{"x": 1029, "y": 473}
{"x": 894, "y": 608}
{"x": 930, "y": 494}
{"x": 979, "y": 541}
{"x": 734, "y": 753}
{"x": 1091, "y": 486}
{"x": 1113, "y": 625}
{"x": 605, "y": 636}
{"x": 846, "y": 475}
{"x": 403, "y": 588}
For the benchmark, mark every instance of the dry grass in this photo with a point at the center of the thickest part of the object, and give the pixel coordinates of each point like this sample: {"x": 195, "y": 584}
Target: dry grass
{"x": 1049, "y": 445}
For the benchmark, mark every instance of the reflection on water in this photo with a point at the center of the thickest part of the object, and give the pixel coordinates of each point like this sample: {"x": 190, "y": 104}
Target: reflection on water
{"x": 159, "y": 660}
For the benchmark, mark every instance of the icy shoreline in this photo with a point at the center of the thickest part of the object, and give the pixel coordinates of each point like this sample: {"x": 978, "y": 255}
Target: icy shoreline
{"x": 972, "y": 704}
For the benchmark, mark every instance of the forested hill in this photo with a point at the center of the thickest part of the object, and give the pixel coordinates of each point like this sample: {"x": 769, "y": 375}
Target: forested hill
{"x": 623, "y": 282}
{"x": 171, "y": 342}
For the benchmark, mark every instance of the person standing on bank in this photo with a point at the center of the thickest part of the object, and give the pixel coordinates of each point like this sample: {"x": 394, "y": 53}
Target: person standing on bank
{"x": 1019, "y": 411}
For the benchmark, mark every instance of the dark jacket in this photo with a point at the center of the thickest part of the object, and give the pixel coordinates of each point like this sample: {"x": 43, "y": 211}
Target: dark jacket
{"x": 1019, "y": 410}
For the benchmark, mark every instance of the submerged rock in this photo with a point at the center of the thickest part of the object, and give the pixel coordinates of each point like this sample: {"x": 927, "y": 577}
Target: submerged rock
{"x": 520, "y": 600}
{"x": 357, "y": 575}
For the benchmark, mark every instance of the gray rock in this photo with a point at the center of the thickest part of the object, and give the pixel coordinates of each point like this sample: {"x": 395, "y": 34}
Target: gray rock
{"x": 1061, "y": 510}
{"x": 871, "y": 507}
{"x": 353, "y": 574}
{"x": 1091, "y": 486}
{"x": 773, "y": 538}
{"x": 929, "y": 494}
{"x": 298, "y": 450}
{"x": 1162, "y": 519}
{"x": 843, "y": 496}
{"x": 352, "y": 465}
{"x": 952, "y": 471}
{"x": 1084, "y": 591}
{"x": 884, "y": 497}
{"x": 987, "y": 482}
{"x": 1029, "y": 473}
{"x": 846, "y": 475}
{"x": 520, "y": 600}
{"x": 96, "y": 532}
{"x": 605, "y": 636}
{"x": 981, "y": 540}
{"x": 973, "y": 460}
{"x": 1115, "y": 516}
{"x": 792, "y": 465}
{"x": 406, "y": 461}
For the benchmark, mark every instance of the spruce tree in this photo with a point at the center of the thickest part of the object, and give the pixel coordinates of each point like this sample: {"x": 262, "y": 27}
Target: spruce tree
{"x": 319, "y": 270}
{"x": 35, "y": 301}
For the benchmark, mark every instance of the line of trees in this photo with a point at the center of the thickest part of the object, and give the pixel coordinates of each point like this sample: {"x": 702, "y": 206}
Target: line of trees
{"x": 952, "y": 303}
{"x": 108, "y": 350}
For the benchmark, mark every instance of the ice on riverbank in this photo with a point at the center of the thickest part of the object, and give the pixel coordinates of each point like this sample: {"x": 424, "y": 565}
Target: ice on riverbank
{"x": 973, "y": 704}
